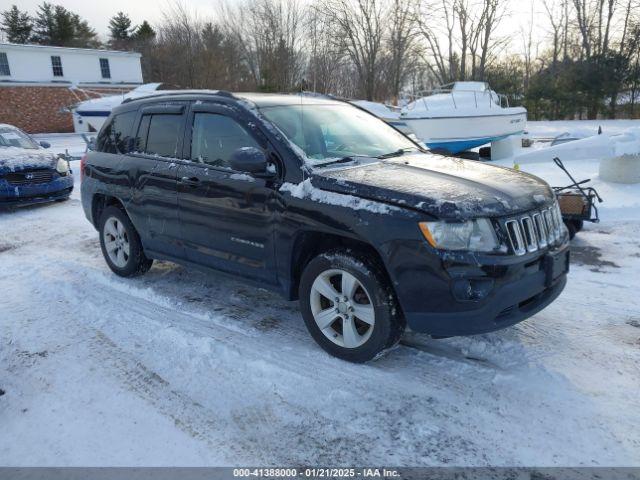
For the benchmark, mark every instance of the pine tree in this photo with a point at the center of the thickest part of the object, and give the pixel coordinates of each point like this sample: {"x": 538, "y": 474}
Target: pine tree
{"x": 144, "y": 32}
{"x": 16, "y": 25}
{"x": 64, "y": 31}
{"x": 55, "y": 25}
{"x": 44, "y": 27}
{"x": 120, "y": 27}
{"x": 84, "y": 36}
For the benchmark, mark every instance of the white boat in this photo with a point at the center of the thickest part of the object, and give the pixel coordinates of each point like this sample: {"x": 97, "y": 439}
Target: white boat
{"x": 388, "y": 113}
{"x": 461, "y": 116}
{"x": 90, "y": 115}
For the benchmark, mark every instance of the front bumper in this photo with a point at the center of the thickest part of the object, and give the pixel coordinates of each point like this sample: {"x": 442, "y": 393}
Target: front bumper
{"x": 57, "y": 189}
{"x": 496, "y": 293}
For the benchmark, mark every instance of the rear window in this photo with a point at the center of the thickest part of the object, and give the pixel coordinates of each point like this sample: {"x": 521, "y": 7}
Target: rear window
{"x": 158, "y": 134}
{"x": 116, "y": 136}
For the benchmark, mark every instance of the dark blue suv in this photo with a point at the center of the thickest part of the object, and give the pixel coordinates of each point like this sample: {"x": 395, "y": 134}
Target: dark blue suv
{"x": 322, "y": 202}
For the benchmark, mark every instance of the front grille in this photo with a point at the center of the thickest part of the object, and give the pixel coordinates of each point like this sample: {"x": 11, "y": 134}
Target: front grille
{"x": 29, "y": 177}
{"x": 534, "y": 231}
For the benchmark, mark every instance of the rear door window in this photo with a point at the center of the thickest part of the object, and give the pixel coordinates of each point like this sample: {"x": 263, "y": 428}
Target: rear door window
{"x": 117, "y": 135}
{"x": 158, "y": 134}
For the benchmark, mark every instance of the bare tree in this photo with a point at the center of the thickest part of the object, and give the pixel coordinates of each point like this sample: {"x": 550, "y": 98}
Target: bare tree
{"x": 468, "y": 28}
{"x": 269, "y": 34}
{"x": 493, "y": 11}
{"x": 400, "y": 43}
{"x": 358, "y": 29}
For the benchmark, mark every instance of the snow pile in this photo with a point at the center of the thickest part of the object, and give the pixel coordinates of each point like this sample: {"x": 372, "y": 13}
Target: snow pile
{"x": 14, "y": 158}
{"x": 306, "y": 190}
{"x": 596, "y": 146}
{"x": 621, "y": 169}
{"x": 590, "y": 158}
{"x": 578, "y": 128}
{"x": 628, "y": 142}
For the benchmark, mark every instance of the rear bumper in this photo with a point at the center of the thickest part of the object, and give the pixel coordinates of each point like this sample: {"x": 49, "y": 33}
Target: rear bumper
{"x": 511, "y": 293}
{"x": 57, "y": 189}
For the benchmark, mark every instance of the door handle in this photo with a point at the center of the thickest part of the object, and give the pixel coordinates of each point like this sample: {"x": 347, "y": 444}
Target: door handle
{"x": 191, "y": 181}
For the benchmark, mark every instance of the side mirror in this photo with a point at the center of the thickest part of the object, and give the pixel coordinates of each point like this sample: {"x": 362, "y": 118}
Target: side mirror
{"x": 44, "y": 144}
{"x": 250, "y": 160}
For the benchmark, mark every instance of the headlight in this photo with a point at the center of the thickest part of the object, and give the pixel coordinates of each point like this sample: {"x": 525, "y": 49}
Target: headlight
{"x": 62, "y": 167}
{"x": 474, "y": 235}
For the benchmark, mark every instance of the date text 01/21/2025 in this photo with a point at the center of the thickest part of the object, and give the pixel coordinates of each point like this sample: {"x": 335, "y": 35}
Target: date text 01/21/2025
{"x": 286, "y": 473}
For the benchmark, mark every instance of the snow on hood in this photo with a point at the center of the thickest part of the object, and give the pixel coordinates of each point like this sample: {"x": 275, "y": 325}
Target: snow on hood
{"x": 306, "y": 190}
{"x": 441, "y": 186}
{"x": 13, "y": 159}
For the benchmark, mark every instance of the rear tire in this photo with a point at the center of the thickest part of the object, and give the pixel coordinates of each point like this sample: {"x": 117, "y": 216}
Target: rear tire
{"x": 121, "y": 245}
{"x": 349, "y": 307}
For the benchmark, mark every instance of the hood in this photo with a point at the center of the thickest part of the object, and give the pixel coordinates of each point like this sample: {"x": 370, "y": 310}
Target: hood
{"x": 445, "y": 187}
{"x": 13, "y": 159}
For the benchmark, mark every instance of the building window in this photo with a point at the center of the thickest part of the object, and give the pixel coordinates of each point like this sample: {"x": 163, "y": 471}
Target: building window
{"x": 104, "y": 68}
{"x": 56, "y": 64}
{"x": 4, "y": 65}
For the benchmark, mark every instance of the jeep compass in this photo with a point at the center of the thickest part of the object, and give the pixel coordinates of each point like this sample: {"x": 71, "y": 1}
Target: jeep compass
{"x": 324, "y": 203}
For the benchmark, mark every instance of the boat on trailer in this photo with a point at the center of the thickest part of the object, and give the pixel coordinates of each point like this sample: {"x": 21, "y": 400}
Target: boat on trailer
{"x": 461, "y": 116}
{"x": 90, "y": 115}
{"x": 388, "y": 113}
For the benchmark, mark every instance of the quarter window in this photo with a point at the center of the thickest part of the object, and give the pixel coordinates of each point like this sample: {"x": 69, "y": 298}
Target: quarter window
{"x": 215, "y": 137}
{"x": 104, "y": 68}
{"x": 158, "y": 134}
{"x": 116, "y": 137}
{"x": 56, "y": 65}
{"x": 4, "y": 65}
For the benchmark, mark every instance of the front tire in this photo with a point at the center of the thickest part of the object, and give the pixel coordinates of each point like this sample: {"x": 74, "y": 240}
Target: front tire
{"x": 121, "y": 245}
{"x": 349, "y": 307}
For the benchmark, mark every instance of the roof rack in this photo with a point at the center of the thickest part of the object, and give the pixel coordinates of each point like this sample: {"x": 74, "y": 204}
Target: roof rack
{"x": 161, "y": 93}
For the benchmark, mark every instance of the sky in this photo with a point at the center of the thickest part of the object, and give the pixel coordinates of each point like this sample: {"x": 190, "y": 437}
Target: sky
{"x": 99, "y": 12}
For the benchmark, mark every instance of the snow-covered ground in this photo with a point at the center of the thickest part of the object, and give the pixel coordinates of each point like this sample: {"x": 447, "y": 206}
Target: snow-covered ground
{"x": 70, "y": 143}
{"x": 581, "y": 127}
{"x": 183, "y": 368}
{"x": 582, "y": 159}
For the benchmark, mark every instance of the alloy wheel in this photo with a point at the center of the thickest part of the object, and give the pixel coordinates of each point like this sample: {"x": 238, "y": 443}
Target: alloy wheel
{"x": 342, "y": 308}
{"x": 116, "y": 242}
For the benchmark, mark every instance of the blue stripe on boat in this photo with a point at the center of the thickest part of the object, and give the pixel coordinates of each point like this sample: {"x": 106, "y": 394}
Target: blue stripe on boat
{"x": 94, "y": 113}
{"x": 457, "y": 146}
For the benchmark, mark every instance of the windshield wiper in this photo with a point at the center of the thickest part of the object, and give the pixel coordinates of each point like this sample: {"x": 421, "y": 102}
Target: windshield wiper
{"x": 397, "y": 153}
{"x": 339, "y": 160}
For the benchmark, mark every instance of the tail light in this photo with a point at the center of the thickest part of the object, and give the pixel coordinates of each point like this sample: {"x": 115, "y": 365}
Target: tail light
{"x": 82, "y": 162}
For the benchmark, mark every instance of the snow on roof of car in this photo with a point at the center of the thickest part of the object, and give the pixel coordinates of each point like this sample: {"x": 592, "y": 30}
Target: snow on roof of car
{"x": 283, "y": 99}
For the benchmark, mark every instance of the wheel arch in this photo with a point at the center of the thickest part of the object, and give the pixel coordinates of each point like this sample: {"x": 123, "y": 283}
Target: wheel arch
{"x": 101, "y": 201}
{"x": 309, "y": 244}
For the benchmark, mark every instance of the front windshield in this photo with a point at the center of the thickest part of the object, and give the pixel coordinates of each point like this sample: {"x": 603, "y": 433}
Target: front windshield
{"x": 12, "y": 137}
{"x": 336, "y": 131}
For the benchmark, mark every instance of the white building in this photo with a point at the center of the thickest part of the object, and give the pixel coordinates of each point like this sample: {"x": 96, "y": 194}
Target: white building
{"x": 38, "y": 83}
{"x": 74, "y": 66}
